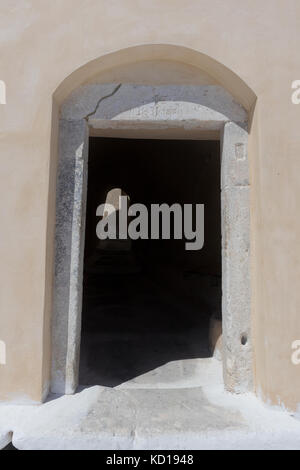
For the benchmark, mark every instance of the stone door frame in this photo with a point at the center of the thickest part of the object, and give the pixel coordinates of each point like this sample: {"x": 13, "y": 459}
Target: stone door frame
{"x": 187, "y": 112}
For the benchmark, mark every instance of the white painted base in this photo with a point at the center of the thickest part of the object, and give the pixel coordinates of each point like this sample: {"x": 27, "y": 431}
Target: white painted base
{"x": 141, "y": 417}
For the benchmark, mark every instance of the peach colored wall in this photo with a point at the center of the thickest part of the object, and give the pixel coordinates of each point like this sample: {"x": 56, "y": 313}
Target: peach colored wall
{"x": 42, "y": 44}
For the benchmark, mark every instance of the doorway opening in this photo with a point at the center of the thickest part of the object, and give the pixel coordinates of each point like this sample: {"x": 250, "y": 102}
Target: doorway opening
{"x": 148, "y": 304}
{"x": 132, "y": 111}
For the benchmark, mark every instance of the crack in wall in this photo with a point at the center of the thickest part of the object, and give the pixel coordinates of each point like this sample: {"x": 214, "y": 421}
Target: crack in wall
{"x": 100, "y": 101}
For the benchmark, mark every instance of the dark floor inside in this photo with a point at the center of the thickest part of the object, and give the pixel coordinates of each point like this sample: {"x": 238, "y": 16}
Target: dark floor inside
{"x": 150, "y": 304}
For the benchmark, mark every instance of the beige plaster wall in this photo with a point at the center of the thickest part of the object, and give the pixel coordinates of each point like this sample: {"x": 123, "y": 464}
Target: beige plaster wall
{"x": 249, "y": 47}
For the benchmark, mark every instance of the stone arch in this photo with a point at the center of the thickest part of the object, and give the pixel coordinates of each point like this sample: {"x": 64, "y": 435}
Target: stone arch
{"x": 217, "y": 71}
{"x": 118, "y": 109}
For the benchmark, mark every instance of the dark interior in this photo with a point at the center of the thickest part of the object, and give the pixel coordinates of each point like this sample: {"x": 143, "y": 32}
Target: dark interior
{"x": 149, "y": 305}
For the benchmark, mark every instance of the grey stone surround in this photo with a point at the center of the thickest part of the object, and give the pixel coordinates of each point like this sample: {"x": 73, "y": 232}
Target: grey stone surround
{"x": 189, "y": 112}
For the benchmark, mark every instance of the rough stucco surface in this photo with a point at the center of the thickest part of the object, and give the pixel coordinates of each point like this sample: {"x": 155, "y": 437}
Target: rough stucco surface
{"x": 43, "y": 44}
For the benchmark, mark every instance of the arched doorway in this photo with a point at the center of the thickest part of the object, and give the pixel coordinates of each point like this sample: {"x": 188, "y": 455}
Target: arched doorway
{"x": 146, "y": 112}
